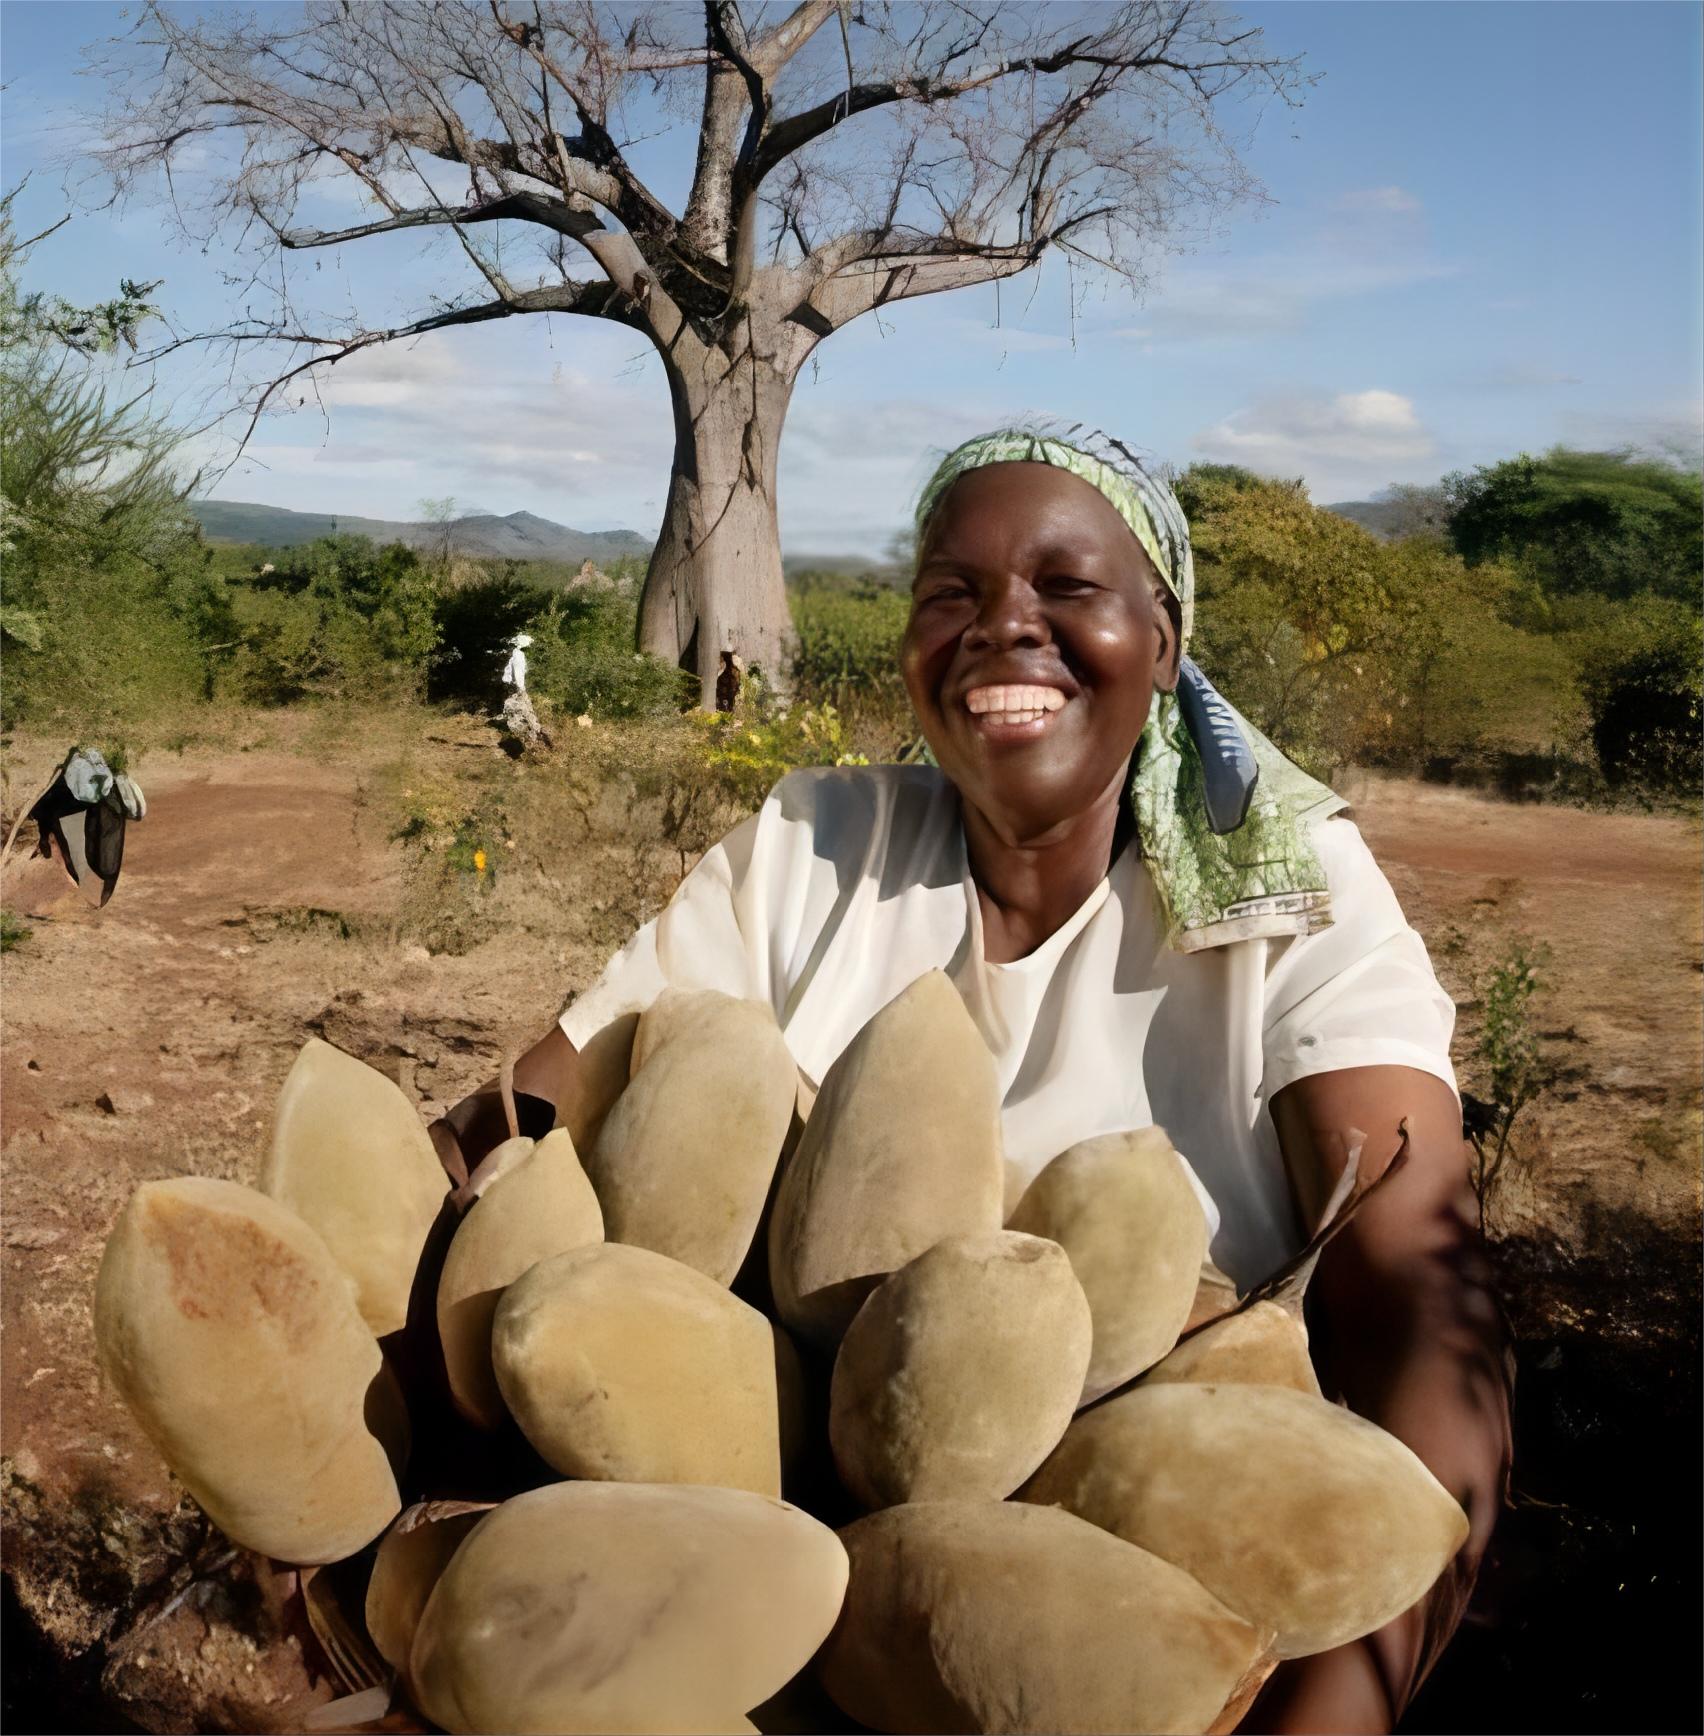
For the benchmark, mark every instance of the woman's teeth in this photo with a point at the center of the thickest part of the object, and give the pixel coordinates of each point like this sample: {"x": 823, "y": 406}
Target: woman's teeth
{"x": 1013, "y": 704}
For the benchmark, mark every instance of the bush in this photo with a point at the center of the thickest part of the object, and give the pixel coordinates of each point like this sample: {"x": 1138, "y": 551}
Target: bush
{"x": 582, "y": 658}
{"x": 476, "y": 622}
{"x": 333, "y": 617}
{"x": 848, "y": 653}
{"x": 1640, "y": 671}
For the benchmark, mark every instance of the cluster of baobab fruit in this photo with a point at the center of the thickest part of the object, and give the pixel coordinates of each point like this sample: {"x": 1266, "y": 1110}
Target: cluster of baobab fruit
{"x": 1098, "y": 1492}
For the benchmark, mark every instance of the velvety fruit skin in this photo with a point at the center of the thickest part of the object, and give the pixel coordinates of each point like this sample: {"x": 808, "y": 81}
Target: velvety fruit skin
{"x": 960, "y": 1372}
{"x": 232, "y": 1334}
{"x": 1301, "y": 1516}
{"x": 684, "y": 1159}
{"x": 902, "y": 1148}
{"x": 543, "y": 1205}
{"x": 992, "y": 1616}
{"x": 624, "y": 1366}
{"x": 625, "y": 1607}
{"x": 605, "y": 1066}
{"x": 1262, "y": 1346}
{"x": 410, "y": 1558}
{"x": 1123, "y": 1207}
{"x": 351, "y": 1157}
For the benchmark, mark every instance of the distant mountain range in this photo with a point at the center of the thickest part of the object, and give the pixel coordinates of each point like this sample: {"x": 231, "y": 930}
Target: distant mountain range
{"x": 1382, "y": 517}
{"x": 520, "y": 536}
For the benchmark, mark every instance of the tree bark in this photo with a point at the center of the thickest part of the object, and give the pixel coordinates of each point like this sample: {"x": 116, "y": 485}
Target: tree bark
{"x": 715, "y": 581}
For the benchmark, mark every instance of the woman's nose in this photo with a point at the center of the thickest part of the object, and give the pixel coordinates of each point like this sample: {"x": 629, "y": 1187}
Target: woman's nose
{"x": 1010, "y": 614}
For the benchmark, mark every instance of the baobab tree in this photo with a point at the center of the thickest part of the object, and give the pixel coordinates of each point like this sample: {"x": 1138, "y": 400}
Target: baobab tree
{"x": 850, "y": 154}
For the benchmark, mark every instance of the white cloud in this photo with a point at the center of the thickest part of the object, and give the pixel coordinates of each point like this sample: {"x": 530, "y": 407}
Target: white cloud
{"x": 1341, "y": 444}
{"x": 583, "y": 438}
{"x": 488, "y": 415}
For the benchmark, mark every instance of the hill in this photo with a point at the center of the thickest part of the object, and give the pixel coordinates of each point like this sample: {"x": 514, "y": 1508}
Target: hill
{"x": 1381, "y": 517}
{"x": 519, "y": 536}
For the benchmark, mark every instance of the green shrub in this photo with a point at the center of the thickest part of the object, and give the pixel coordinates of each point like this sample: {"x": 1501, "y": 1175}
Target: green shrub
{"x": 847, "y": 656}
{"x": 334, "y": 617}
{"x": 476, "y": 622}
{"x": 582, "y": 658}
{"x": 1640, "y": 671}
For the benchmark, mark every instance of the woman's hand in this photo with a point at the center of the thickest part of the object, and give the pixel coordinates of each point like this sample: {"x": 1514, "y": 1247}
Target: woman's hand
{"x": 1405, "y": 1329}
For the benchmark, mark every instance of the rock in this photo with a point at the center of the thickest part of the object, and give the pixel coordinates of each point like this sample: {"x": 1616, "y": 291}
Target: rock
{"x": 541, "y": 1206}
{"x": 1263, "y": 1346}
{"x": 1122, "y": 1206}
{"x": 234, "y": 1337}
{"x": 960, "y": 1373}
{"x": 902, "y": 1148}
{"x": 1307, "y": 1520}
{"x": 124, "y": 1100}
{"x": 622, "y": 1606}
{"x": 989, "y": 1616}
{"x": 350, "y": 1156}
{"x": 624, "y": 1366}
{"x": 683, "y": 1161}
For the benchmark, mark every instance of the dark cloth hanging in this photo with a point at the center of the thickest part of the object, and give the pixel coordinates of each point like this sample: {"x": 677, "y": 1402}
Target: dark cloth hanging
{"x": 84, "y": 812}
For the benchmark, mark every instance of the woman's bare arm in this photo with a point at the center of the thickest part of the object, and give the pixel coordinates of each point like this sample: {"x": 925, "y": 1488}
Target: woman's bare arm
{"x": 1406, "y": 1331}
{"x": 545, "y": 1078}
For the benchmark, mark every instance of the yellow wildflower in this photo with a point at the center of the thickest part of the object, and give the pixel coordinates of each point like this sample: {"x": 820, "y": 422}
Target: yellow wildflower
{"x": 479, "y": 861}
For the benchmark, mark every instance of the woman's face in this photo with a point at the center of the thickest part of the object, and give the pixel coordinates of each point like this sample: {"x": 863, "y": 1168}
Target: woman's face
{"x": 1038, "y": 634}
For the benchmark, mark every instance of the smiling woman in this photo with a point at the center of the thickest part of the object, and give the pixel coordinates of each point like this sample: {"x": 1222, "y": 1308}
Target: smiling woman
{"x": 1152, "y": 918}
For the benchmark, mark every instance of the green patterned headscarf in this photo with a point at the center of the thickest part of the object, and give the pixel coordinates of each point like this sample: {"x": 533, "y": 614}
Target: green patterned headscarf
{"x": 1252, "y": 872}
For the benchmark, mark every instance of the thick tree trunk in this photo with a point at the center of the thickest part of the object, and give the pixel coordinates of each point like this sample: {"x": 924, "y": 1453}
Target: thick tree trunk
{"x": 715, "y": 582}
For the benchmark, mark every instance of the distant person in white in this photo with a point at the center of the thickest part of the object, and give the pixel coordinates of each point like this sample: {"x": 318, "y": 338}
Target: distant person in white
{"x": 1152, "y": 917}
{"x": 518, "y": 715}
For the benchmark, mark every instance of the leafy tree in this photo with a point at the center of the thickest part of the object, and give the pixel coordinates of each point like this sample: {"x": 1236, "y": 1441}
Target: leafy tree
{"x": 101, "y": 559}
{"x": 847, "y": 157}
{"x": 1611, "y": 524}
{"x": 1642, "y": 672}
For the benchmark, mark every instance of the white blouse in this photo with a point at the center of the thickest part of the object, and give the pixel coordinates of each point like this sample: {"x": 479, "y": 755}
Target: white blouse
{"x": 848, "y": 884}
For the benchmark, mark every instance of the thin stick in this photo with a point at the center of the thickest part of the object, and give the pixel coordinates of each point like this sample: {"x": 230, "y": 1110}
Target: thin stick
{"x": 506, "y": 1084}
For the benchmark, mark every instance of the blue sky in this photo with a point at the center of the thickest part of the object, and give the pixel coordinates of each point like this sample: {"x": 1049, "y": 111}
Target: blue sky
{"x": 1484, "y": 237}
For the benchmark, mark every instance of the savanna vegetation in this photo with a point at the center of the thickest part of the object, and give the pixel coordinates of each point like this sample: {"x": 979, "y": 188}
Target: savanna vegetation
{"x": 1535, "y": 625}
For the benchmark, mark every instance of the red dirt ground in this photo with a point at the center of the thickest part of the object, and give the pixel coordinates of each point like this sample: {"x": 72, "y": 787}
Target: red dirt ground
{"x": 150, "y": 1038}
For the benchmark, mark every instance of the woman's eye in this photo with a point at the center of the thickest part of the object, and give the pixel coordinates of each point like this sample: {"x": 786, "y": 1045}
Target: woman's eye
{"x": 1068, "y": 585}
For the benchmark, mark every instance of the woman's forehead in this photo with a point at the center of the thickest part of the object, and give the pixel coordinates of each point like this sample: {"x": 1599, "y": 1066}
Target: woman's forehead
{"x": 1027, "y": 509}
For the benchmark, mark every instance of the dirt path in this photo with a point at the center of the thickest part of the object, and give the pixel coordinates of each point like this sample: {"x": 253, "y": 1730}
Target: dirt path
{"x": 258, "y": 905}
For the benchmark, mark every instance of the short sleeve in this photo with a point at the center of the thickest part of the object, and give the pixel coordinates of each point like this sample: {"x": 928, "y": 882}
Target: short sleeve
{"x": 696, "y": 942}
{"x": 1359, "y": 993}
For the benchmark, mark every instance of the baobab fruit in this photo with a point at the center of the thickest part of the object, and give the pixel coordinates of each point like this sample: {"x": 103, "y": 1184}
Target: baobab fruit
{"x": 683, "y": 1162}
{"x": 497, "y": 1162}
{"x": 351, "y": 1157}
{"x": 410, "y": 1559}
{"x": 1262, "y": 1346}
{"x": 991, "y": 1616}
{"x": 1215, "y": 1294}
{"x": 1124, "y": 1209}
{"x": 901, "y": 1149}
{"x": 543, "y": 1205}
{"x": 625, "y": 1606}
{"x": 960, "y": 1372}
{"x": 624, "y": 1366}
{"x": 233, "y": 1336}
{"x": 1301, "y": 1516}
{"x": 674, "y": 1013}
{"x": 792, "y": 1406}
{"x": 599, "y": 1076}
